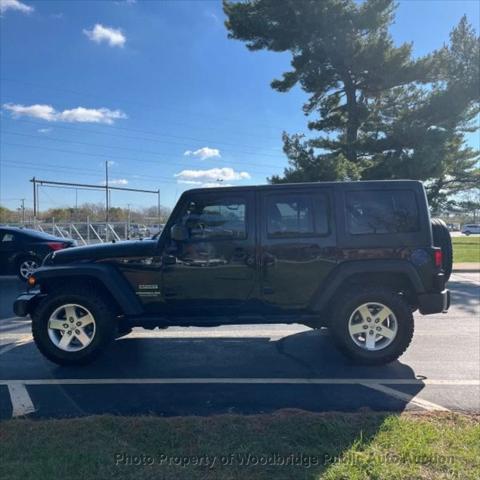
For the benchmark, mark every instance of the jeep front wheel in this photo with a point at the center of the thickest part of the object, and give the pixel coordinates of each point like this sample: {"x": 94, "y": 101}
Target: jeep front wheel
{"x": 72, "y": 328}
{"x": 372, "y": 326}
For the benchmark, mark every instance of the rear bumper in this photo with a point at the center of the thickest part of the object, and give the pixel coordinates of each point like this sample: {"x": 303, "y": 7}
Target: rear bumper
{"x": 434, "y": 302}
{"x": 25, "y": 302}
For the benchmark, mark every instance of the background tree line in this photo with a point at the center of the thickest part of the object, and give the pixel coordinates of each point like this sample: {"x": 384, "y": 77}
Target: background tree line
{"x": 95, "y": 212}
{"x": 375, "y": 111}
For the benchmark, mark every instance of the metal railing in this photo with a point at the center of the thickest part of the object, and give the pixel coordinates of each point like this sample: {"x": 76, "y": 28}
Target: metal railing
{"x": 86, "y": 233}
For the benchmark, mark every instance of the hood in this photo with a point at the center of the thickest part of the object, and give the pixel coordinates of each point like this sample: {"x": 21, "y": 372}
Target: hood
{"x": 141, "y": 248}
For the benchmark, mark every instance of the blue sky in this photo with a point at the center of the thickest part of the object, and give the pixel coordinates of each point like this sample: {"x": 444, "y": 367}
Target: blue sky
{"x": 156, "y": 89}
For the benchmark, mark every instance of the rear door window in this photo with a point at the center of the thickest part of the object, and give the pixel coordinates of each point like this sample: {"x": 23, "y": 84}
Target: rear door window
{"x": 296, "y": 215}
{"x": 381, "y": 212}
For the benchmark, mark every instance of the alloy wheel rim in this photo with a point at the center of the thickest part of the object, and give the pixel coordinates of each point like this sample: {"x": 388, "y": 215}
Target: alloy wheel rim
{"x": 27, "y": 268}
{"x": 373, "y": 326}
{"x": 71, "y": 327}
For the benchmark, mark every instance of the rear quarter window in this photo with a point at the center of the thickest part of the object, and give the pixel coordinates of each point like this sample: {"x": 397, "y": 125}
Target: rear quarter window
{"x": 381, "y": 212}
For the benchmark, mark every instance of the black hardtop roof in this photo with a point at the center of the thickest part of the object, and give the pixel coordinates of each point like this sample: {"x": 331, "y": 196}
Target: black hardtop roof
{"x": 280, "y": 186}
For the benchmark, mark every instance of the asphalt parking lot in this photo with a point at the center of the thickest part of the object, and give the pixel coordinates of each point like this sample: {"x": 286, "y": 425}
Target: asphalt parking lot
{"x": 245, "y": 369}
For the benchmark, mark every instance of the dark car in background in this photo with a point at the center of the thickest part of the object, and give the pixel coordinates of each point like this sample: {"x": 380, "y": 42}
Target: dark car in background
{"x": 22, "y": 250}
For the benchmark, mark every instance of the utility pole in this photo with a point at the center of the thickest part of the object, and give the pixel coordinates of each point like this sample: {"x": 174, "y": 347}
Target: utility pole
{"x": 33, "y": 180}
{"x": 129, "y": 219}
{"x": 107, "y": 206}
{"x": 159, "y": 209}
{"x": 23, "y": 211}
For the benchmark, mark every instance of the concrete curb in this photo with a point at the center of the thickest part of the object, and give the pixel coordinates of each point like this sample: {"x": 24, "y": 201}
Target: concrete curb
{"x": 466, "y": 267}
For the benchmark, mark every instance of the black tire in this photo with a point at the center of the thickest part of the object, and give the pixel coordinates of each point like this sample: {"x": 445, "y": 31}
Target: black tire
{"x": 442, "y": 239}
{"x": 99, "y": 307}
{"x": 20, "y": 266}
{"x": 344, "y": 307}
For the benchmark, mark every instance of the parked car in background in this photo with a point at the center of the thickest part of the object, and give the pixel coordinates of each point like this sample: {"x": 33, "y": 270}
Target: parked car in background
{"x": 453, "y": 227}
{"x": 471, "y": 229}
{"x": 154, "y": 229}
{"x": 138, "y": 231}
{"x": 22, "y": 250}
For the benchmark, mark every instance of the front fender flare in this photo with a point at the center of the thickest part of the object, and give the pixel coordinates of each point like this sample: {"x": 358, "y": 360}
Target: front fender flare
{"x": 106, "y": 274}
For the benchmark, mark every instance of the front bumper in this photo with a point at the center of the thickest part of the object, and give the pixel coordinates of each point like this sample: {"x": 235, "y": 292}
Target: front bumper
{"x": 434, "y": 302}
{"x": 25, "y": 303}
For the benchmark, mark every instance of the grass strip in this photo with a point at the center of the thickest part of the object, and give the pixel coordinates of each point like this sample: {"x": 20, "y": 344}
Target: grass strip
{"x": 285, "y": 445}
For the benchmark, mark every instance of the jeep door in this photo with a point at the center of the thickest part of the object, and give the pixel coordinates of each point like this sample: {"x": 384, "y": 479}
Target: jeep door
{"x": 213, "y": 270}
{"x": 297, "y": 246}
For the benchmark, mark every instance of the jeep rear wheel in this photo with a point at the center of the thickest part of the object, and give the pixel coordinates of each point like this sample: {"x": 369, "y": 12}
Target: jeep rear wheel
{"x": 372, "y": 325}
{"x": 72, "y": 327}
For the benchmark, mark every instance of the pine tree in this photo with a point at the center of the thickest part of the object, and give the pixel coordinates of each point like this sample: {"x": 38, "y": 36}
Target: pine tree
{"x": 381, "y": 113}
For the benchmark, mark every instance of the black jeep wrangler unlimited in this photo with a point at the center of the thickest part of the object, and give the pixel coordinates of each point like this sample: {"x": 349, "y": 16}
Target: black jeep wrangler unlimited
{"x": 356, "y": 257}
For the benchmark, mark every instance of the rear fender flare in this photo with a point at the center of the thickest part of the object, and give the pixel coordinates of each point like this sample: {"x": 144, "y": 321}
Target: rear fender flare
{"x": 340, "y": 274}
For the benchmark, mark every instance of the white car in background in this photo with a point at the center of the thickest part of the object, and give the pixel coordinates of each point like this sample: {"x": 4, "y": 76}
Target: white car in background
{"x": 471, "y": 229}
{"x": 154, "y": 229}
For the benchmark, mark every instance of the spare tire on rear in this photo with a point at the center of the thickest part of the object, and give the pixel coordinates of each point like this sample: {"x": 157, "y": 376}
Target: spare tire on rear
{"x": 442, "y": 239}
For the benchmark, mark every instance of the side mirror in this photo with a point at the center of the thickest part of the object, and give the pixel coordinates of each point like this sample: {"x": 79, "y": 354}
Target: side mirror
{"x": 179, "y": 233}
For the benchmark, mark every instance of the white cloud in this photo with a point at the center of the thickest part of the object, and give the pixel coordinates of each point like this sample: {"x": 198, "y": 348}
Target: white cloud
{"x": 99, "y": 33}
{"x": 15, "y": 5}
{"x": 211, "y": 176}
{"x": 214, "y": 185}
{"x": 214, "y": 17}
{"x": 45, "y": 112}
{"x": 78, "y": 114}
{"x": 204, "y": 153}
{"x": 117, "y": 181}
{"x": 91, "y": 115}
{"x": 44, "y": 130}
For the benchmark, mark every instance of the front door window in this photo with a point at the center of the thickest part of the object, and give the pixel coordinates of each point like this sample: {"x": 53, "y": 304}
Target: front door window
{"x": 214, "y": 257}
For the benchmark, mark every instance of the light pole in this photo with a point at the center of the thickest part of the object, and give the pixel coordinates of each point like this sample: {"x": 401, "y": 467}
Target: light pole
{"x": 23, "y": 211}
{"x": 128, "y": 221}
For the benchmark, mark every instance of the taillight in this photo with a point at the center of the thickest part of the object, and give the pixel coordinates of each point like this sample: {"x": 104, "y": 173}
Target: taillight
{"x": 56, "y": 245}
{"x": 438, "y": 257}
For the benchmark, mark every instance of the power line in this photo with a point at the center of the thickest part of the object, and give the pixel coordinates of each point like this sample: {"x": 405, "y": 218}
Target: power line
{"x": 156, "y": 134}
{"x": 59, "y": 169}
{"x": 141, "y": 104}
{"x": 110, "y": 157}
{"x": 147, "y": 152}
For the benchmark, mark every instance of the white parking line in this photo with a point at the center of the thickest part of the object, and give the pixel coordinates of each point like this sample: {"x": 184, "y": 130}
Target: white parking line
{"x": 21, "y": 402}
{"x": 23, "y": 405}
{"x": 406, "y": 397}
{"x": 253, "y": 381}
{"x": 17, "y": 343}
